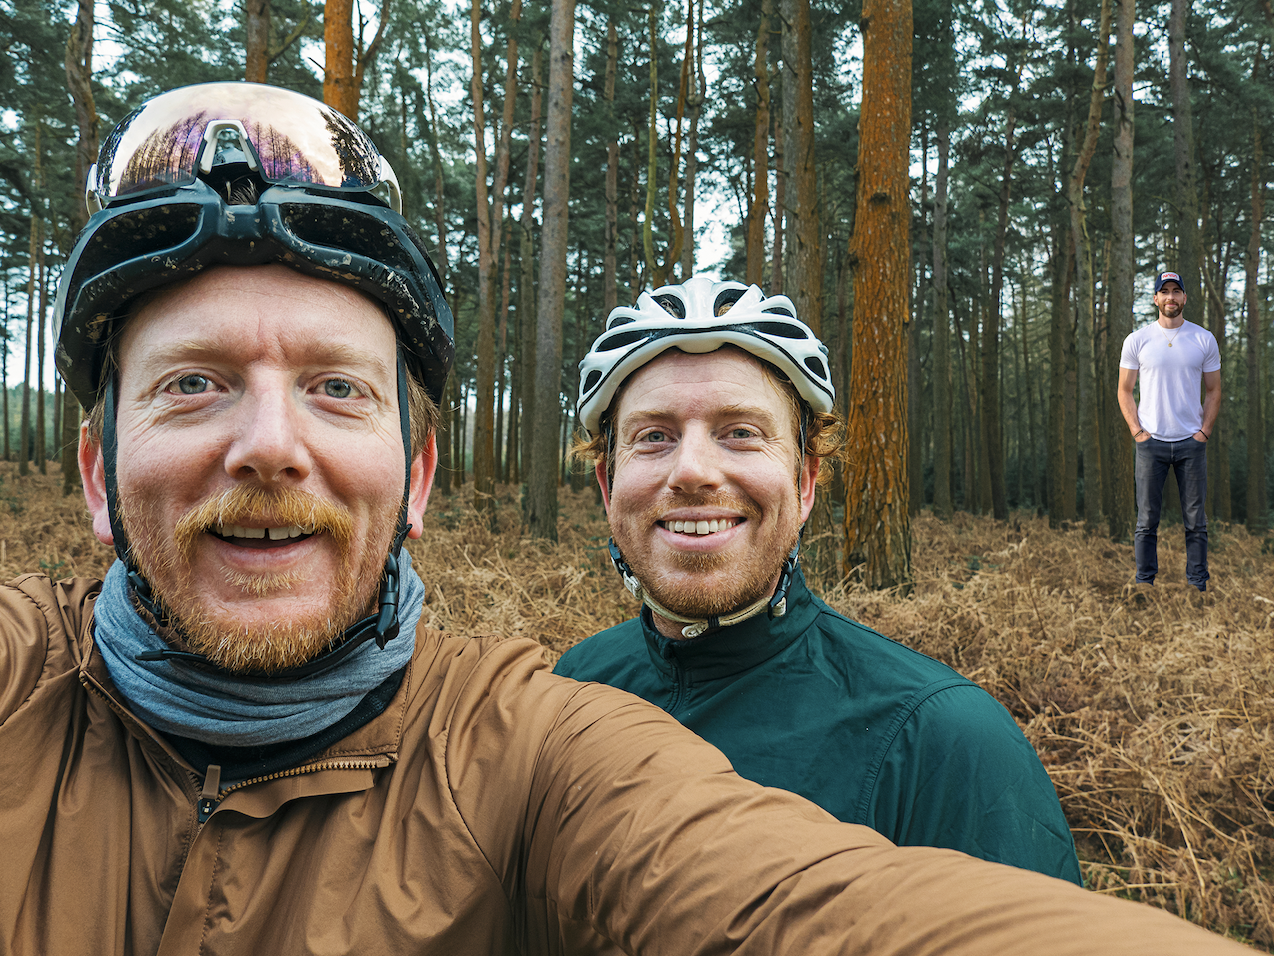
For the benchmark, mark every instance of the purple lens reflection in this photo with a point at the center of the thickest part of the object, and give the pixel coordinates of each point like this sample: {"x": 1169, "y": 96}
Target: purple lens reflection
{"x": 296, "y": 139}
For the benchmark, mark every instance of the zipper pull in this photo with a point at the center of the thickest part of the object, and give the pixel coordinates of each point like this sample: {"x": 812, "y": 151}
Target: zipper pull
{"x": 208, "y": 796}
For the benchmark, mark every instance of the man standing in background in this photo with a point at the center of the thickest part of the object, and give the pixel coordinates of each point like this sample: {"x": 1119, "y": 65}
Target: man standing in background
{"x": 1170, "y": 425}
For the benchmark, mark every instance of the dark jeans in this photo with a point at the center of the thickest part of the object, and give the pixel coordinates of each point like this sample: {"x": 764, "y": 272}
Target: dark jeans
{"x": 1190, "y": 461}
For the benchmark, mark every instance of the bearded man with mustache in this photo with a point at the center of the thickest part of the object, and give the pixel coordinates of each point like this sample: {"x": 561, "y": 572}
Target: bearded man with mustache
{"x": 709, "y": 409}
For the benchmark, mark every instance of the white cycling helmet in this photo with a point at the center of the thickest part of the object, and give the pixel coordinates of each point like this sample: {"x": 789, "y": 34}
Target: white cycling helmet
{"x": 701, "y": 316}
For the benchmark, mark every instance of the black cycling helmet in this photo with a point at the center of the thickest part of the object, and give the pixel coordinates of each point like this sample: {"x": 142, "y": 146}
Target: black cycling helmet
{"x": 244, "y": 174}
{"x": 168, "y": 202}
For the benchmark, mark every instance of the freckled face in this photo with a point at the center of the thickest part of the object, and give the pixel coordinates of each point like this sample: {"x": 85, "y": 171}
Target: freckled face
{"x": 260, "y": 461}
{"x": 707, "y": 497}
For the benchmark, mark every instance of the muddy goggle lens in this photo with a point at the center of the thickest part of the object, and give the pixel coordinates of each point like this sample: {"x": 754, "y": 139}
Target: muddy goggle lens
{"x": 287, "y": 137}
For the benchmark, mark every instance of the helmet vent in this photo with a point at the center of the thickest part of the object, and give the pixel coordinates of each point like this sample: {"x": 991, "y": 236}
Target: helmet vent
{"x": 725, "y": 300}
{"x": 591, "y": 380}
{"x": 619, "y": 320}
{"x": 619, "y": 340}
{"x": 779, "y": 330}
{"x": 779, "y": 310}
{"x": 672, "y": 305}
{"x": 817, "y": 367}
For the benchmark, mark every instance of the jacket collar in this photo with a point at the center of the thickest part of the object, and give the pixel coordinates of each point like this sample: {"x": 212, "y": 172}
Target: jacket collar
{"x": 733, "y": 650}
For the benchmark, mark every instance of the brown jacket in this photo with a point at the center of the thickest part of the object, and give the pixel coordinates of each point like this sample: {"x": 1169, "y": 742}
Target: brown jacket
{"x": 492, "y": 808}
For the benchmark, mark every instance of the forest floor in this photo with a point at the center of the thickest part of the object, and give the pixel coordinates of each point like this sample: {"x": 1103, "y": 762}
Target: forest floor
{"x": 1152, "y": 708}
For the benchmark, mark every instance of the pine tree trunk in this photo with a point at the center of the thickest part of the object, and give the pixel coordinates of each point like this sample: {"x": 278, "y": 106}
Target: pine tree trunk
{"x": 24, "y": 429}
{"x": 446, "y": 420}
{"x": 542, "y": 485}
{"x": 758, "y": 209}
{"x": 1030, "y": 463}
{"x": 41, "y": 437}
{"x": 804, "y": 280}
{"x": 942, "y": 398}
{"x": 1120, "y": 307}
{"x": 338, "y": 64}
{"x": 1256, "y": 518}
{"x": 79, "y": 81}
{"x": 502, "y": 362}
{"x": 780, "y": 205}
{"x": 1070, "y": 378}
{"x": 1189, "y": 251}
{"x": 1089, "y": 427}
{"x": 527, "y": 334}
{"x": 654, "y": 270}
{"x": 610, "y": 291}
{"x": 490, "y": 221}
{"x": 694, "y": 102}
{"x": 256, "y": 33}
{"x": 877, "y": 525}
{"x": 991, "y": 409}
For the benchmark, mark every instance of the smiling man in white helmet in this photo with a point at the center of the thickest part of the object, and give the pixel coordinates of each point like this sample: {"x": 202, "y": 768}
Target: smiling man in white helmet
{"x": 245, "y": 741}
{"x": 709, "y": 410}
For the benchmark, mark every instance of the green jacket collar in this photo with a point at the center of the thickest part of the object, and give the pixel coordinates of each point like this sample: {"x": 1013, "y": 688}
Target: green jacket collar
{"x": 733, "y": 650}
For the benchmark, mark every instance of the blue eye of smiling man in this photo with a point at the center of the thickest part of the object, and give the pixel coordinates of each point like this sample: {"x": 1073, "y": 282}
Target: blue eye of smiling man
{"x": 192, "y": 384}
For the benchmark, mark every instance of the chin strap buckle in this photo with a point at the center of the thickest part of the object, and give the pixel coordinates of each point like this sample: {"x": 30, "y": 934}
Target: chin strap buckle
{"x": 387, "y": 617}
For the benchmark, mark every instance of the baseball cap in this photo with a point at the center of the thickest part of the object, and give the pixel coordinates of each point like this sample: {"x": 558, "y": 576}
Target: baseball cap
{"x": 1163, "y": 277}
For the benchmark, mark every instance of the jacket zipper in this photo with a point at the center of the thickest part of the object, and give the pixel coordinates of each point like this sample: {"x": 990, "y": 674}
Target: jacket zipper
{"x": 211, "y": 794}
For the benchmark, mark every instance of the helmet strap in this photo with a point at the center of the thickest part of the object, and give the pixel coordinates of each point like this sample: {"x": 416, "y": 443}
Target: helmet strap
{"x": 110, "y": 449}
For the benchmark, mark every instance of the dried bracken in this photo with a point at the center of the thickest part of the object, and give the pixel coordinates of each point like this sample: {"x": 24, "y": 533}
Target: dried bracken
{"x": 1152, "y": 708}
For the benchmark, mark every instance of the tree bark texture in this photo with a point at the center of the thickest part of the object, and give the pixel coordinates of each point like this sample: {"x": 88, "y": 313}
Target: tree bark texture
{"x": 1189, "y": 252}
{"x": 346, "y": 61}
{"x": 942, "y": 397}
{"x": 780, "y": 204}
{"x": 1122, "y": 508}
{"x": 694, "y": 103}
{"x": 1256, "y": 518}
{"x": 610, "y": 285}
{"x": 79, "y": 81}
{"x": 490, "y": 209}
{"x": 527, "y": 325}
{"x": 877, "y": 525}
{"x": 256, "y": 34}
{"x": 759, "y": 208}
{"x": 1085, "y": 291}
{"x": 915, "y": 317}
{"x": 991, "y": 335}
{"x": 41, "y": 438}
{"x": 804, "y": 280}
{"x": 542, "y": 490}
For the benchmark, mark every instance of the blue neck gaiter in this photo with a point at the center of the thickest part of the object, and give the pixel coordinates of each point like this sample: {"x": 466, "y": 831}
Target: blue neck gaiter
{"x": 224, "y": 710}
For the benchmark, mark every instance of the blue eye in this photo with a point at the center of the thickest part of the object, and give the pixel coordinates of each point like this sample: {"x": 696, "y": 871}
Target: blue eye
{"x": 192, "y": 384}
{"x": 338, "y": 388}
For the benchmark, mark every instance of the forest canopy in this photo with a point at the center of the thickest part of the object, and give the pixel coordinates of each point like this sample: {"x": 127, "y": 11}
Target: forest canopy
{"x": 1016, "y": 279}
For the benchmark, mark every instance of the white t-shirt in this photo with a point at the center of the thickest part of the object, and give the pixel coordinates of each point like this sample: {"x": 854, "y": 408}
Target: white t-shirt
{"x": 1170, "y": 377}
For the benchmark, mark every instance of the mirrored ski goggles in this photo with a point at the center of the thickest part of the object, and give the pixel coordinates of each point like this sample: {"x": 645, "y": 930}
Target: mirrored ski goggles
{"x": 286, "y": 137}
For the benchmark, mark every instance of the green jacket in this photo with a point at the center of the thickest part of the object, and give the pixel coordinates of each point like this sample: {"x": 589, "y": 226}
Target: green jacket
{"x": 872, "y": 731}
